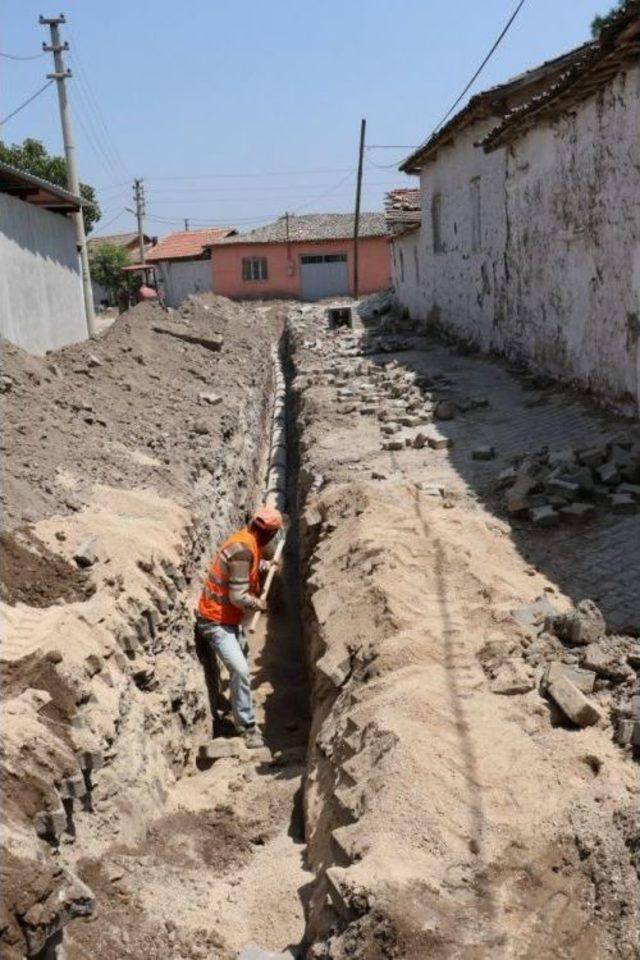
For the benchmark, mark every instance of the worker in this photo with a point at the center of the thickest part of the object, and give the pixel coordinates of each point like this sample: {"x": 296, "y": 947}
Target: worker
{"x": 231, "y": 589}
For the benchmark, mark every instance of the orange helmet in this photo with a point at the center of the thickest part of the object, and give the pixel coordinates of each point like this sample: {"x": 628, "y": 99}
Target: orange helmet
{"x": 266, "y": 518}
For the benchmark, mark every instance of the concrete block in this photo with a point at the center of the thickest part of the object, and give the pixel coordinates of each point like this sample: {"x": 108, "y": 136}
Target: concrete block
{"x": 622, "y": 503}
{"x": 592, "y": 457}
{"x": 221, "y": 748}
{"x": 573, "y": 702}
{"x": 581, "y": 626}
{"x": 584, "y": 680}
{"x": 483, "y": 453}
{"x": 392, "y": 444}
{"x": 545, "y": 516}
{"x": 577, "y": 513}
{"x": 565, "y": 488}
{"x": 517, "y": 496}
{"x": 536, "y": 617}
{"x": 512, "y": 678}
{"x": 584, "y": 479}
{"x": 388, "y": 429}
{"x": 630, "y": 490}
{"x": 608, "y": 474}
{"x": 440, "y": 443}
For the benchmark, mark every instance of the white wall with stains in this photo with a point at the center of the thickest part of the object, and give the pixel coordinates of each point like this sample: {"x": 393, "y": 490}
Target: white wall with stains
{"x": 537, "y": 255}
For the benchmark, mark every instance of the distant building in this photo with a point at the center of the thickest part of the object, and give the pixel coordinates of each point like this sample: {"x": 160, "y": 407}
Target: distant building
{"x": 184, "y": 262}
{"x": 41, "y": 301}
{"x": 529, "y": 243}
{"x": 403, "y": 216}
{"x": 303, "y": 257}
{"x": 127, "y": 240}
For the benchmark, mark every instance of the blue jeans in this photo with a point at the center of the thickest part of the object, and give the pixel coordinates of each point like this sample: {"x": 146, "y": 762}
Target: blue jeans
{"x": 232, "y": 649}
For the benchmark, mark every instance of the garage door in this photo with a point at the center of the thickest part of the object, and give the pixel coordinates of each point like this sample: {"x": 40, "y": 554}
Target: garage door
{"x": 324, "y": 276}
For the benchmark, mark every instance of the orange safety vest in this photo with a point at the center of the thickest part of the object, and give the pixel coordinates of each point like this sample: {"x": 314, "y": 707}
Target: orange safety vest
{"x": 214, "y": 603}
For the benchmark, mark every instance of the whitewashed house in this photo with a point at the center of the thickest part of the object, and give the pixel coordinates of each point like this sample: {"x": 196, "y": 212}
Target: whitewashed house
{"x": 529, "y": 242}
{"x": 403, "y": 219}
{"x": 183, "y": 261}
{"x": 41, "y": 301}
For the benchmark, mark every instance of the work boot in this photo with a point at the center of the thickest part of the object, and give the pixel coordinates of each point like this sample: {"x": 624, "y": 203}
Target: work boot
{"x": 252, "y": 737}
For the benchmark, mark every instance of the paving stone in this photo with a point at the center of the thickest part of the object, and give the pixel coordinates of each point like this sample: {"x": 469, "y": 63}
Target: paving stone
{"x": 584, "y": 680}
{"x": 390, "y": 428}
{"x": 608, "y": 474}
{"x": 565, "y": 488}
{"x": 221, "y": 747}
{"x": 573, "y": 702}
{"x": 577, "y": 513}
{"x": 440, "y": 443}
{"x": 392, "y": 444}
{"x": 546, "y": 516}
{"x": 622, "y": 503}
{"x": 630, "y": 490}
{"x": 419, "y": 441}
{"x": 483, "y": 453}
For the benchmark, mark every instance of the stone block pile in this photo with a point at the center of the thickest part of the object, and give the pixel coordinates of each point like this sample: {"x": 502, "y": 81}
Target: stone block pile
{"x": 588, "y": 676}
{"x": 569, "y": 486}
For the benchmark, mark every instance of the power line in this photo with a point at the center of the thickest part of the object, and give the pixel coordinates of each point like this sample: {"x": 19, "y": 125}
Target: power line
{"x": 35, "y": 56}
{"x": 26, "y": 102}
{"x": 109, "y": 222}
{"x": 493, "y": 49}
{"x": 315, "y": 200}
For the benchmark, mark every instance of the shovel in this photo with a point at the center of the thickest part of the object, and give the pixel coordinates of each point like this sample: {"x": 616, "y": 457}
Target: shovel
{"x": 253, "y": 623}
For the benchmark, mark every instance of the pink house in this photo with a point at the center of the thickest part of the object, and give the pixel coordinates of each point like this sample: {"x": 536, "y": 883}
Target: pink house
{"x": 305, "y": 258}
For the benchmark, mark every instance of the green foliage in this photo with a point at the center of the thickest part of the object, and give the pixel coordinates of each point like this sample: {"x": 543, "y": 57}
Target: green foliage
{"x": 32, "y": 157}
{"x": 599, "y": 22}
{"x": 106, "y": 262}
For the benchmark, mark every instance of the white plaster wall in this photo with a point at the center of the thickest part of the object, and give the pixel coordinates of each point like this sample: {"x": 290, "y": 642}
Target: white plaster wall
{"x": 183, "y": 277}
{"x": 573, "y": 200}
{"x": 556, "y": 280}
{"x": 409, "y": 288}
{"x": 41, "y": 303}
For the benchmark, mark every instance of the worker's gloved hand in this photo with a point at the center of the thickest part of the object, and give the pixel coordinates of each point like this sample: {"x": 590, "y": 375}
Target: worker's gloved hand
{"x": 261, "y": 604}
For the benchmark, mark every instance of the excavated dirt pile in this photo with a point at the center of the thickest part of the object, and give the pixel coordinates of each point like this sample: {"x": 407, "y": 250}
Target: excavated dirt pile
{"x": 452, "y": 808}
{"x": 124, "y": 459}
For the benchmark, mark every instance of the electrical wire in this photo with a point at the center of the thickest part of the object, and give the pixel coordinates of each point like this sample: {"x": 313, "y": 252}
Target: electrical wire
{"x": 35, "y": 56}
{"x": 26, "y": 102}
{"x": 103, "y": 226}
{"x": 494, "y": 47}
{"x": 332, "y": 190}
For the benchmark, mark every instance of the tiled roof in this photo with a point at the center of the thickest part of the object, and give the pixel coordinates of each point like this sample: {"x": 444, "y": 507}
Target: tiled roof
{"x": 48, "y": 195}
{"x": 310, "y": 227}
{"x": 402, "y": 210}
{"x": 115, "y": 239}
{"x": 617, "y": 45}
{"x": 187, "y": 244}
{"x": 494, "y": 102}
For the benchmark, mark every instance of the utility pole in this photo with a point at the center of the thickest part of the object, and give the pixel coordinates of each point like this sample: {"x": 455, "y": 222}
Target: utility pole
{"x": 138, "y": 196}
{"x": 60, "y": 75}
{"x": 186, "y": 225}
{"x": 356, "y": 222}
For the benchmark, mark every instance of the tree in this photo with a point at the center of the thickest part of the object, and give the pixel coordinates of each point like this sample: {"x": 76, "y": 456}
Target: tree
{"x": 106, "y": 263}
{"x": 599, "y": 22}
{"x": 32, "y": 157}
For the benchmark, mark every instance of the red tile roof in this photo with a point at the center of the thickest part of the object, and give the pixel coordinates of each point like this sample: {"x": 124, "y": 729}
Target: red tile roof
{"x": 187, "y": 244}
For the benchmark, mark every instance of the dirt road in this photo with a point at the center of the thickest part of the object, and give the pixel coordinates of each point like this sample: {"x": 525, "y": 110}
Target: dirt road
{"x": 423, "y": 794}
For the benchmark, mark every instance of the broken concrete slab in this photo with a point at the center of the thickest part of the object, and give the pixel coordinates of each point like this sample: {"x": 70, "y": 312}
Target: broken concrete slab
{"x": 608, "y": 474}
{"x": 512, "y": 677}
{"x": 573, "y": 702}
{"x": 577, "y": 513}
{"x": 439, "y": 443}
{"x": 392, "y": 444}
{"x": 581, "y": 626}
{"x": 622, "y": 503}
{"x": 584, "y": 680}
{"x": 536, "y": 617}
{"x": 545, "y": 516}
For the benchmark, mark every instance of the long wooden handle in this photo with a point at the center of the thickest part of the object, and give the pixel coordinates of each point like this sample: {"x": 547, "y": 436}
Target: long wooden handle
{"x": 253, "y": 623}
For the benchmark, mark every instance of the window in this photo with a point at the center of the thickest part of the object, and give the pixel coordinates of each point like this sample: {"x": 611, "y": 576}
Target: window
{"x": 436, "y": 223}
{"x": 476, "y": 222}
{"x": 327, "y": 258}
{"x": 416, "y": 264}
{"x": 401, "y": 266}
{"x": 254, "y": 268}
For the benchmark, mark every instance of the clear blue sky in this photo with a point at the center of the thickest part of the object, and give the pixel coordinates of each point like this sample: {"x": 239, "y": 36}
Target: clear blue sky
{"x": 235, "y": 112}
